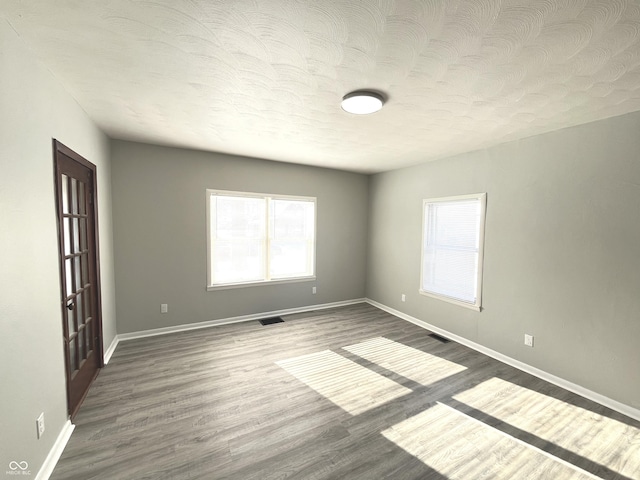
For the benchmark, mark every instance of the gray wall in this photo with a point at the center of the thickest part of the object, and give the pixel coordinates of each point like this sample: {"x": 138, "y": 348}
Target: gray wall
{"x": 34, "y": 108}
{"x": 160, "y": 234}
{"x": 562, "y": 250}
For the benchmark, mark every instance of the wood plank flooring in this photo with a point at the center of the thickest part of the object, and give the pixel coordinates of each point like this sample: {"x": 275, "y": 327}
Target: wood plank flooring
{"x": 347, "y": 393}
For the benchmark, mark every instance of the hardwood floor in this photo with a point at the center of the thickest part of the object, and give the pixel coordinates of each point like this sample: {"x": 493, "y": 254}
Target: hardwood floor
{"x": 348, "y": 393}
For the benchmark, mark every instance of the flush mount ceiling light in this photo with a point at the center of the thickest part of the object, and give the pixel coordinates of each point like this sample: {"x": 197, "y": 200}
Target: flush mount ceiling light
{"x": 362, "y": 102}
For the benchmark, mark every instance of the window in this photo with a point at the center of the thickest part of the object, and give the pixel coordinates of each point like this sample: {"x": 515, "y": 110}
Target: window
{"x": 255, "y": 238}
{"x": 453, "y": 237}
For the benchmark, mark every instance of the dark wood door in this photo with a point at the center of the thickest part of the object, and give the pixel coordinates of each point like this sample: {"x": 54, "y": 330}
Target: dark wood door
{"x": 80, "y": 289}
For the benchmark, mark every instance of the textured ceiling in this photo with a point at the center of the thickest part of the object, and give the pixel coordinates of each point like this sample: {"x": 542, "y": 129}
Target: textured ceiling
{"x": 265, "y": 78}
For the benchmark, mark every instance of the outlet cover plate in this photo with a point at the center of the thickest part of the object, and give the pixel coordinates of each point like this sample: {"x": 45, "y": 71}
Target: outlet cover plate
{"x": 40, "y": 424}
{"x": 528, "y": 340}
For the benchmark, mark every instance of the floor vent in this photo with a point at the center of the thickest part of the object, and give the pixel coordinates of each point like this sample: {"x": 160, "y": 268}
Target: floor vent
{"x": 439, "y": 338}
{"x": 271, "y": 321}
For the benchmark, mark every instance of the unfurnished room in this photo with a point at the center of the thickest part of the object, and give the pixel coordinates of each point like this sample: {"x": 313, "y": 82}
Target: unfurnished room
{"x": 342, "y": 239}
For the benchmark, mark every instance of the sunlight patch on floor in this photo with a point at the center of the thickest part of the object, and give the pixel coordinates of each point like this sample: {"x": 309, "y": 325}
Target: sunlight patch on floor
{"x": 411, "y": 363}
{"x": 352, "y": 387}
{"x": 600, "y": 439}
{"x": 461, "y": 447}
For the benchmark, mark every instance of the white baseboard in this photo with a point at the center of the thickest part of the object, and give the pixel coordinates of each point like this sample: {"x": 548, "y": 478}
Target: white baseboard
{"x": 225, "y": 321}
{"x": 561, "y": 382}
{"x": 54, "y": 454}
{"x": 61, "y": 442}
{"x": 112, "y": 348}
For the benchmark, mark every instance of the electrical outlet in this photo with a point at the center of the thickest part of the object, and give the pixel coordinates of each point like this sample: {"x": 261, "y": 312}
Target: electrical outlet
{"x": 40, "y": 424}
{"x": 404, "y": 297}
{"x": 164, "y": 308}
{"x": 313, "y": 290}
{"x": 528, "y": 340}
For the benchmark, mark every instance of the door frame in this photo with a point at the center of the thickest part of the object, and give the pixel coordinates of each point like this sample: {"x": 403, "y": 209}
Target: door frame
{"x": 60, "y": 149}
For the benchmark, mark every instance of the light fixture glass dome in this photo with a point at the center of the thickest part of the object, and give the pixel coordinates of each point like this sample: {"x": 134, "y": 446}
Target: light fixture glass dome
{"x": 362, "y": 102}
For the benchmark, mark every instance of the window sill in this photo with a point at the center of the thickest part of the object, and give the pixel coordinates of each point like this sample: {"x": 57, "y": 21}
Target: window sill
{"x": 460, "y": 303}
{"x": 227, "y": 286}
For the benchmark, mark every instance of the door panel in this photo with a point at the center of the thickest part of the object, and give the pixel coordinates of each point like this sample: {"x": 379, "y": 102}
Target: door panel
{"x": 77, "y": 221}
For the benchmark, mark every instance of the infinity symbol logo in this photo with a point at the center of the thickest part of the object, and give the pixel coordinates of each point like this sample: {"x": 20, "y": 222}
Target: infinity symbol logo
{"x": 18, "y": 465}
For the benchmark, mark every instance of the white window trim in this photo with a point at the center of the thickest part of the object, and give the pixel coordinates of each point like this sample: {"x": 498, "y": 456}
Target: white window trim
{"x": 477, "y": 306}
{"x": 277, "y": 281}
{"x": 253, "y": 283}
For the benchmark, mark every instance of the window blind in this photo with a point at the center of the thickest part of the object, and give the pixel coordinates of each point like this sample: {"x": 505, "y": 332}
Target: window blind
{"x": 452, "y": 248}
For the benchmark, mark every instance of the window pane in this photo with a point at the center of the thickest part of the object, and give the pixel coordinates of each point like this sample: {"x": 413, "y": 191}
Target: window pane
{"x": 456, "y": 224}
{"x": 73, "y": 362}
{"x": 74, "y": 195}
{"x": 68, "y": 272}
{"x": 88, "y": 335}
{"x": 292, "y": 219}
{"x": 83, "y": 233}
{"x": 291, "y": 259}
{"x": 87, "y": 304}
{"x": 238, "y": 239}
{"x": 452, "y": 273}
{"x": 76, "y": 236}
{"x": 81, "y": 197}
{"x": 451, "y": 250}
{"x": 239, "y": 217}
{"x": 77, "y": 271}
{"x": 80, "y": 345}
{"x": 85, "y": 269}
{"x": 239, "y": 260}
{"x": 65, "y": 194}
{"x": 292, "y": 238}
{"x": 79, "y": 309}
{"x": 67, "y": 235}
{"x": 71, "y": 323}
